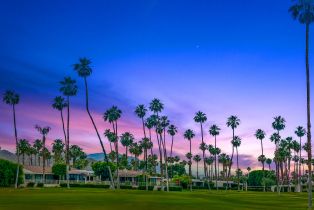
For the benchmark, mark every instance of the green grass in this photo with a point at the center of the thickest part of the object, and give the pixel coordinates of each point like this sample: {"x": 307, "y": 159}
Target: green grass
{"x": 59, "y": 198}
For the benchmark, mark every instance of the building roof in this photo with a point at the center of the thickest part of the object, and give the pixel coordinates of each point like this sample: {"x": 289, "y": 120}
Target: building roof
{"x": 48, "y": 170}
{"x": 129, "y": 173}
{"x": 36, "y": 170}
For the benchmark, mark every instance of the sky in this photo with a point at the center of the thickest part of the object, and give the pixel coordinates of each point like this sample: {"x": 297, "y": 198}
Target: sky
{"x": 222, "y": 57}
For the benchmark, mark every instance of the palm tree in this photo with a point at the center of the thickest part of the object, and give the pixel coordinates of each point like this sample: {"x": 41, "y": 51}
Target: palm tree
{"x": 146, "y": 144}
{"x": 172, "y": 130}
{"x": 23, "y": 148}
{"x": 236, "y": 142}
{"x": 300, "y": 132}
{"x": 303, "y": 11}
{"x": 201, "y": 118}
{"x": 189, "y": 135}
{"x": 268, "y": 162}
{"x": 150, "y": 122}
{"x": 59, "y": 104}
{"x": 260, "y": 135}
{"x": 44, "y": 132}
{"x": 57, "y": 149}
{"x": 278, "y": 125}
{"x": 68, "y": 88}
{"x": 156, "y": 106}
{"x": 126, "y": 140}
{"x": 112, "y": 115}
{"x": 84, "y": 70}
{"x": 233, "y": 122}
{"x": 197, "y": 159}
{"x": 136, "y": 149}
{"x": 140, "y": 111}
{"x": 75, "y": 153}
{"x": 11, "y": 98}
{"x": 214, "y": 130}
{"x": 38, "y": 145}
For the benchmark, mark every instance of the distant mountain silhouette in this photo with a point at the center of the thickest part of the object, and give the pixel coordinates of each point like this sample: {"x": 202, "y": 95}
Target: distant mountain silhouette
{"x": 6, "y": 155}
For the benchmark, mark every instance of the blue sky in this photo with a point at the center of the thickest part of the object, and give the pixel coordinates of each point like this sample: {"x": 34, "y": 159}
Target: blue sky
{"x": 221, "y": 57}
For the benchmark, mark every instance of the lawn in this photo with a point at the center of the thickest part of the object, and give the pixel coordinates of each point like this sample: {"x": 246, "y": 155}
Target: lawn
{"x": 57, "y": 198}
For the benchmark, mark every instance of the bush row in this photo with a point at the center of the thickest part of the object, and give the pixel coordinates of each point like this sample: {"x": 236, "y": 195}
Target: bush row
{"x": 8, "y": 173}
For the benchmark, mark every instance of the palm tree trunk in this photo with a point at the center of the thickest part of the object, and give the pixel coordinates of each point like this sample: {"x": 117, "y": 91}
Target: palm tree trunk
{"x": 238, "y": 174}
{"x": 144, "y": 127}
{"x": 299, "y": 171}
{"x": 196, "y": 169}
{"x": 44, "y": 164}
{"x": 190, "y": 164}
{"x": 163, "y": 140}
{"x": 63, "y": 126}
{"x": 263, "y": 162}
{"x": 216, "y": 177}
{"x": 99, "y": 138}
{"x": 150, "y": 139}
{"x": 17, "y": 148}
{"x": 205, "y": 173}
{"x": 67, "y": 143}
{"x": 117, "y": 153}
{"x": 309, "y": 152}
{"x": 229, "y": 171}
{"x": 160, "y": 154}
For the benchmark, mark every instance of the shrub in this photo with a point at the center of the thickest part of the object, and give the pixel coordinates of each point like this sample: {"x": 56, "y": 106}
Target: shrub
{"x": 86, "y": 185}
{"x": 8, "y": 173}
{"x": 126, "y": 187}
{"x": 256, "y": 177}
{"x": 59, "y": 169}
{"x": 30, "y": 184}
{"x": 150, "y": 188}
{"x": 40, "y": 185}
{"x": 177, "y": 188}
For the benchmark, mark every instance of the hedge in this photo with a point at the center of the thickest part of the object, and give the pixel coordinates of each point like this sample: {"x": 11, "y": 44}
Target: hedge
{"x": 30, "y": 184}
{"x": 150, "y": 188}
{"x": 178, "y": 188}
{"x": 85, "y": 185}
{"x": 8, "y": 173}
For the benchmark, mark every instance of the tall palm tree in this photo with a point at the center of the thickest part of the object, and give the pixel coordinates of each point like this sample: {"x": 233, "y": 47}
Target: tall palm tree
{"x": 44, "y": 132}
{"x": 112, "y": 115}
{"x": 11, "y": 98}
{"x": 233, "y": 122}
{"x": 278, "y": 125}
{"x": 57, "y": 149}
{"x": 59, "y": 104}
{"x": 269, "y": 162}
{"x": 214, "y": 130}
{"x": 303, "y": 11}
{"x": 201, "y": 118}
{"x": 197, "y": 159}
{"x": 84, "y": 70}
{"x": 140, "y": 111}
{"x": 69, "y": 89}
{"x": 156, "y": 106}
{"x": 300, "y": 132}
{"x": 38, "y": 145}
{"x": 126, "y": 140}
{"x": 189, "y": 135}
{"x": 236, "y": 142}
